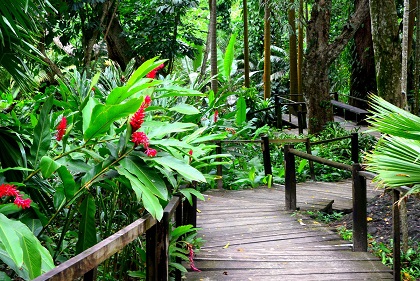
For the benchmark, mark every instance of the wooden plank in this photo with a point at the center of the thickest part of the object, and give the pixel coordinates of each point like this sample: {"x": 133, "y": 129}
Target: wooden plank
{"x": 349, "y": 107}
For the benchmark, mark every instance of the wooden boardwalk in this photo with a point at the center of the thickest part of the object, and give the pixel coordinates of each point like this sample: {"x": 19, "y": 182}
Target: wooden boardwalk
{"x": 249, "y": 236}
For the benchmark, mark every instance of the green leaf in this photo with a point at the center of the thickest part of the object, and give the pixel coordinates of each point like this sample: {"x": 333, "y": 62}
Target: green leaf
{"x": 87, "y": 229}
{"x": 188, "y": 172}
{"x": 147, "y": 176}
{"x": 143, "y": 70}
{"x": 177, "y": 91}
{"x": 10, "y": 240}
{"x": 157, "y": 130}
{"x": 4, "y": 277}
{"x": 31, "y": 256}
{"x": 42, "y": 135}
{"x": 68, "y": 182}
{"x": 188, "y": 191}
{"x": 241, "y": 111}
{"x": 104, "y": 115}
{"x": 150, "y": 201}
{"x": 178, "y": 266}
{"x": 185, "y": 109}
{"x": 181, "y": 230}
{"x": 48, "y": 166}
{"x": 95, "y": 80}
{"x": 87, "y": 112}
{"x": 229, "y": 56}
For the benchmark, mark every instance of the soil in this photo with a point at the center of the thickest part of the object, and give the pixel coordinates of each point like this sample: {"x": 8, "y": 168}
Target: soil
{"x": 379, "y": 212}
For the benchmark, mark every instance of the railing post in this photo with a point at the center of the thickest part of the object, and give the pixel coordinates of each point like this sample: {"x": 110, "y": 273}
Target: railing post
{"x": 278, "y": 110}
{"x": 157, "y": 245}
{"x": 355, "y": 147}
{"x": 359, "y": 210}
{"x": 290, "y": 178}
{"x": 266, "y": 155}
{"x": 178, "y": 222}
{"x": 219, "y": 167}
{"x": 311, "y": 163}
{"x": 396, "y": 235}
{"x": 190, "y": 211}
{"x": 300, "y": 122}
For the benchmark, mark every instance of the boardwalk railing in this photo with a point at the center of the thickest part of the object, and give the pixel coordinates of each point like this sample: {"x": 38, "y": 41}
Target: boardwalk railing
{"x": 265, "y": 147}
{"x": 359, "y": 200}
{"x": 157, "y": 245}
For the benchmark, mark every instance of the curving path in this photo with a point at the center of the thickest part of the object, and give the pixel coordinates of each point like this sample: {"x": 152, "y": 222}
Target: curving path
{"x": 250, "y": 237}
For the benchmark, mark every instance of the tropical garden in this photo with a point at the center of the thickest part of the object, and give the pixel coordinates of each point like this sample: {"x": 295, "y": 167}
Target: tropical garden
{"x": 109, "y": 108}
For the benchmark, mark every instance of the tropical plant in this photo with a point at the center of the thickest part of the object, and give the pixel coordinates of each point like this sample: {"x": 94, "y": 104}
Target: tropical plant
{"x": 395, "y": 158}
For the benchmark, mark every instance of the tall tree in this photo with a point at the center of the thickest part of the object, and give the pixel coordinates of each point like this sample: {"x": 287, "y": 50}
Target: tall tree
{"x": 246, "y": 43}
{"x": 267, "y": 51}
{"x": 320, "y": 53}
{"x": 300, "y": 50}
{"x": 387, "y": 48}
{"x": 362, "y": 77}
{"x": 213, "y": 45}
{"x": 417, "y": 63}
{"x": 293, "y": 69}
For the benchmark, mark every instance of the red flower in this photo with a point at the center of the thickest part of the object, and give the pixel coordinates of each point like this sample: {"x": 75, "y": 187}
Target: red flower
{"x": 93, "y": 89}
{"x": 61, "y": 128}
{"x": 10, "y": 190}
{"x": 190, "y": 152}
{"x": 191, "y": 257}
{"x": 152, "y": 74}
{"x": 216, "y": 116}
{"x": 151, "y": 152}
{"x": 23, "y": 203}
{"x": 138, "y": 118}
{"x": 140, "y": 138}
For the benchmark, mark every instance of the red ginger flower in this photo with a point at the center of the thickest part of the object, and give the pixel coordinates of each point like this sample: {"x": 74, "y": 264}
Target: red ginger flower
{"x": 216, "y": 116}
{"x": 138, "y": 118}
{"x": 191, "y": 257}
{"x": 10, "y": 190}
{"x": 151, "y": 152}
{"x": 190, "y": 152}
{"x": 152, "y": 74}
{"x": 140, "y": 138}
{"x": 61, "y": 128}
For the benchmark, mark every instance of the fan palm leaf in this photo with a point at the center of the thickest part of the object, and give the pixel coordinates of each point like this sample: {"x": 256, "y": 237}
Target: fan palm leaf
{"x": 396, "y": 158}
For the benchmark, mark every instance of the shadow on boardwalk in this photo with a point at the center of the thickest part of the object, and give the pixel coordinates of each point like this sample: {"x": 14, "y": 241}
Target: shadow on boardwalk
{"x": 250, "y": 237}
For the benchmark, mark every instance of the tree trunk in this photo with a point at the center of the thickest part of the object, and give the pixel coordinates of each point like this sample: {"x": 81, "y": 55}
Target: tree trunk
{"x": 387, "y": 49}
{"x": 293, "y": 69}
{"x": 300, "y": 51}
{"x": 319, "y": 56}
{"x": 362, "y": 78}
{"x": 404, "y": 55}
{"x": 267, "y": 51}
{"x": 417, "y": 63}
{"x": 213, "y": 46}
{"x": 246, "y": 44}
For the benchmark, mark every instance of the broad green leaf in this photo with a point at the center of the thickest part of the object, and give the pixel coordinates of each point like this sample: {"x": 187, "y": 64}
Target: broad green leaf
{"x": 207, "y": 138}
{"x": 188, "y": 172}
{"x": 87, "y": 229}
{"x": 181, "y": 230}
{"x": 42, "y": 135}
{"x": 95, "y": 80}
{"x": 10, "y": 240}
{"x": 104, "y": 115}
{"x": 177, "y": 91}
{"x": 171, "y": 142}
{"x": 143, "y": 70}
{"x": 48, "y": 166}
{"x": 241, "y": 111}
{"x": 157, "y": 130}
{"x": 15, "y": 169}
{"x": 150, "y": 201}
{"x": 87, "y": 112}
{"x": 31, "y": 256}
{"x": 229, "y": 56}
{"x": 178, "y": 266}
{"x": 68, "y": 182}
{"x": 147, "y": 176}
{"x": 188, "y": 191}
{"x": 185, "y": 109}
{"x": 9, "y": 208}
{"x": 4, "y": 277}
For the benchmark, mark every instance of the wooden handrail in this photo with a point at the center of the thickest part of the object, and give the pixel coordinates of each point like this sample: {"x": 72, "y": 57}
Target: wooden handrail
{"x": 89, "y": 259}
{"x": 320, "y": 160}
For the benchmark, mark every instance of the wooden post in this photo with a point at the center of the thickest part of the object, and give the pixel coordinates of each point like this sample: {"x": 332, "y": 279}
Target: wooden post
{"x": 300, "y": 122}
{"x": 396, "y": 235}
{"x": 311, "y": 163}
{"x": 219, "y": 167}
{"x": 266, "y": 155}
{"x": 290, "y": 178}
{"x": 190, "y": 211}
{"x": 278, "y": 111}
{"x": 359, "y": 210}
{"x": 355, "y": 147}
{"x": 157, "y": 245}
{"x": 178, "y": 222}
